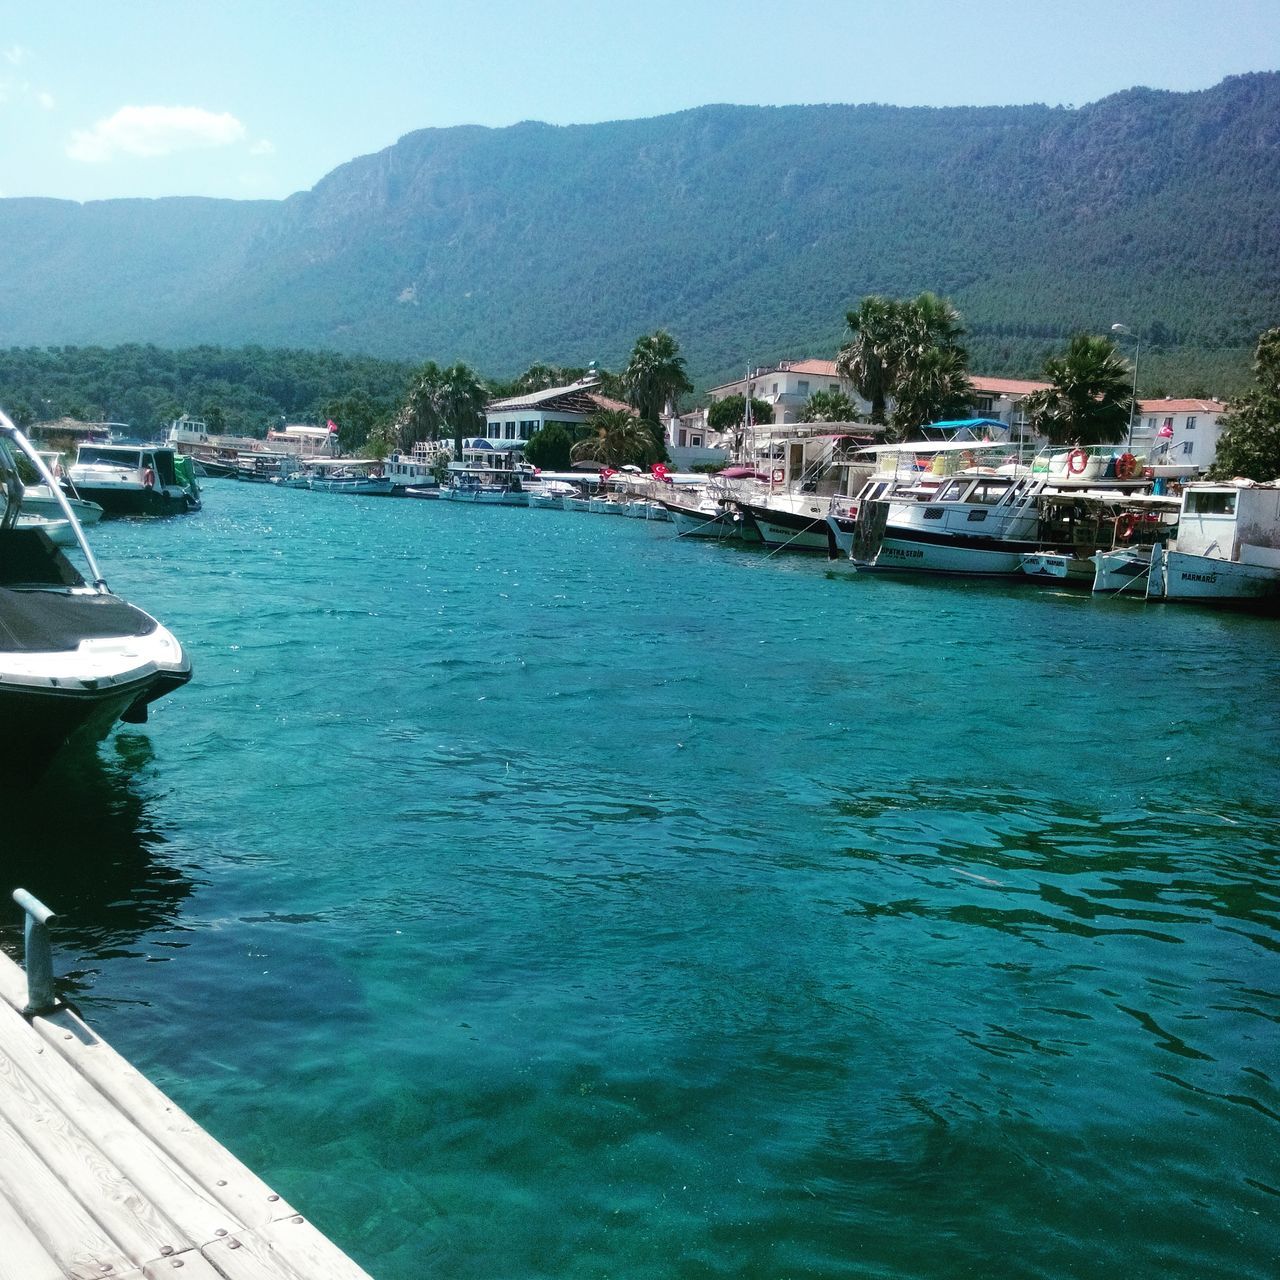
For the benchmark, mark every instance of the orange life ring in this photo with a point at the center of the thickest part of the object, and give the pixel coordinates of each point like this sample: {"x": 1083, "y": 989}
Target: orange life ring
{"x": 1126, "y": 466}
{"x": 1077, "y": 455}
{"x": 779, "y": 475}
{"x": 1125, "y": 525}
{"x": 148, "y": 478}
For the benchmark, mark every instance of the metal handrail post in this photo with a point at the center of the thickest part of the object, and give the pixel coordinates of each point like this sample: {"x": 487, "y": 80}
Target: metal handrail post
{"x": 38, "y": 954}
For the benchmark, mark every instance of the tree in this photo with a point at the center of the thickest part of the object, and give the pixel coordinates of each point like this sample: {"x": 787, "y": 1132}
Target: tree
{"x": 462, "y": 398}
{"x": 729, "y": 414}
{"x": 910, "y": 344}
{"x": 619, "y": 438}
{"x": 1250, "y": 442}
{"x": 654, "y": 379}
{"x": 381, "y": 441}
{"x": 870, "y": 358}
{"x": 1090, "y": 399}
{"x": 933, "y": 387}
{"x": 829, "y": 406}
{"x": 550, "y": 448}
{"x": 440, "y": 400}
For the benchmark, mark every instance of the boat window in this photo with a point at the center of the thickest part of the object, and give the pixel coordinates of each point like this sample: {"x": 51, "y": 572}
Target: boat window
{"x": 1211, "y": 504}
{"x": 989, "y": 492}
{"x": 952, "y": 492}
{"x": 109, "y": 457}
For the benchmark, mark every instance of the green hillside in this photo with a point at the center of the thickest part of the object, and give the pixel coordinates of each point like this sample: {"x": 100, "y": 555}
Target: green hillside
{"x": 747, "y": 232}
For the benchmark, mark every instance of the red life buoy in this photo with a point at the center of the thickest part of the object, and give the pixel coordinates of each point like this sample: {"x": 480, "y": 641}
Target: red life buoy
{"x": 148, "y": 478}
{"x": 779, "y": 475}
{"x": 1074, "y": 457}
{"x": 1126, "y": 466}
{"x": 1125, "y": 525}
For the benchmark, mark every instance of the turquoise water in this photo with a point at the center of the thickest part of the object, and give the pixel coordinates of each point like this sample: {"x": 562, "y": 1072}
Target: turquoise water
{"x": 533, "y": 894}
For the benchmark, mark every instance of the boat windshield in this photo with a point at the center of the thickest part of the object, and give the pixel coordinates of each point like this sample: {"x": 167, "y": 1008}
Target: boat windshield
{"x": 91, "y": 455}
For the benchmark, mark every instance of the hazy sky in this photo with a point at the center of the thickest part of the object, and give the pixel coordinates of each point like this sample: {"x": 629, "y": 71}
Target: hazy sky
{"x": 260, "y": 98}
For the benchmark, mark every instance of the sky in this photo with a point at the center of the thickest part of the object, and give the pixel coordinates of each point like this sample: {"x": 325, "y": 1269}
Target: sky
{"x": 257, "y": 99}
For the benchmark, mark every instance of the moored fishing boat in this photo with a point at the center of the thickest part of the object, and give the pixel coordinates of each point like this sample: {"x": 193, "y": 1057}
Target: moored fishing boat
{"x": 74, "y": 658}
{"x": 1227, "y": 549}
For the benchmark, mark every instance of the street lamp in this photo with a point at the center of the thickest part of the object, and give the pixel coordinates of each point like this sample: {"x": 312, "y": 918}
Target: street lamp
{"x": 1123, "y": 330}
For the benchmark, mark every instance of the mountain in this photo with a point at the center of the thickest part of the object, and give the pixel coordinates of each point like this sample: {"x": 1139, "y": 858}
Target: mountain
{"x": 746, "y": 231}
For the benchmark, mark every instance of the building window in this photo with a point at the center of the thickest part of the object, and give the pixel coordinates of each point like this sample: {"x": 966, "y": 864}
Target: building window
{"x": 834, "y": 388}
{"x": 1188, "y": 448}
{"x": 1191, "y": 424}
{"x": 985, "y": 404}
{"x": 696, "y": 442}
{"x": 802, "y": 387}
{"x": 511, "y": 431}
{"x": 684, "y": 435}
{"x": 1151, "y": 424}
{"x": 775, "y": 389}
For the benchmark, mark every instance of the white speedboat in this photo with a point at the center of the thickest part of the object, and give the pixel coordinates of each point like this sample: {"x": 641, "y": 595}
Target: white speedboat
{"x": 40, "y": 499}
{"x": 74, "y": 658}
{"x": 134, "y": 479}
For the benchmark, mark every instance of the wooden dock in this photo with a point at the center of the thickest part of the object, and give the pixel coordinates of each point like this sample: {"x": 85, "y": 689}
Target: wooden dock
{"x": 102, "y": 1177}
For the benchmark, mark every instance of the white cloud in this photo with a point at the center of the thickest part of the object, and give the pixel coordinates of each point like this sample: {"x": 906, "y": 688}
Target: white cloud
{"x": 263, "y": 147}
{"x": 15, "y": 55}
{"x": 46, "y": 100}
{"x": 153, "y": 131}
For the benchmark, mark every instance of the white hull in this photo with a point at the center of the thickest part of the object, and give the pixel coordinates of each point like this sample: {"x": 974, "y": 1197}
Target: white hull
{"x": 486, "y": 497}
{"x": 1120, "y": 571}
{"x": 716, "y": 525}
{"x": 907, "y": 555}
{"x": 1178, "y": 575}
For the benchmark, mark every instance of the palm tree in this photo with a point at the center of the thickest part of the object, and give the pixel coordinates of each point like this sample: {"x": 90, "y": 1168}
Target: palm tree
{"x": 460, "y": 402}
{"x": 935, "y": 386}
{"x": 618, "y": 438}
{"x": 829, "y": 406}
{"x": 1090, "y": 400}
{"x": 870, "y": 358}
{"x": 654, "y": 379}
{"x": 419, "y": 416}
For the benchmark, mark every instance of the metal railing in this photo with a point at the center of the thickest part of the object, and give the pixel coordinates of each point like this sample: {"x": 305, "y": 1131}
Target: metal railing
{"x": 37, "y": 955}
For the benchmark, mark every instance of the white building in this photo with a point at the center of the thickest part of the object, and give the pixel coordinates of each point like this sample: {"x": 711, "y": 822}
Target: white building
{"x": 512, "y": 422}
{"x": 1178, "y": 432}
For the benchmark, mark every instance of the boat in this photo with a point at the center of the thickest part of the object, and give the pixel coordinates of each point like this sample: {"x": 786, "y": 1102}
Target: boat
{"x": 41, "y": 499}
{"x": 410, "y": 473}
{"x": 700, "y": 515}
{"x": 549, "y": 493}
{"x": 1227, "y": 548}
{"x": 351, "y": 483}
{"x": 134, "y": 479}
{"x": 975, "y": 510}
{"x": 74, "y": 657}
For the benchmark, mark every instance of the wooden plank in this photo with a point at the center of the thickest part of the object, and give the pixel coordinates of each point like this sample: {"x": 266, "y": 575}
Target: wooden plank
{"x": 211, "y": 1165}
{"x": 197, "y": 1216}
{"x": 289, "y": 1249}
{"x": 69, "y": 1233}
{"x": 22, "y": 1255}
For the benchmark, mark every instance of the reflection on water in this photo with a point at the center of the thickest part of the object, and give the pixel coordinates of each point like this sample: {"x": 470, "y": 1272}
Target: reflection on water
{"x": 84, "y": 840}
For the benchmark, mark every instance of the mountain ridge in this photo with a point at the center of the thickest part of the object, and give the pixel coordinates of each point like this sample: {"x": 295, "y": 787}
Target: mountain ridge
{"x": 746, "y": 231}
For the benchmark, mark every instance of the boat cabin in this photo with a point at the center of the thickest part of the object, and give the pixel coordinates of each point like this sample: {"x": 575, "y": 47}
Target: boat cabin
{"x": 1231, "y": 522}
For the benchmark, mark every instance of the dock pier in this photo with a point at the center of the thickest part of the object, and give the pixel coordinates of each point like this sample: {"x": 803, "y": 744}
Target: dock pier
{"x": 102, "y": 1177}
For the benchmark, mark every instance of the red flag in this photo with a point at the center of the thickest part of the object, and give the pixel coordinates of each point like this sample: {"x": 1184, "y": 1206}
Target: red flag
{"x": 1167, "y": 430}
{"x": 659, "y": 471}
{"x": 333, "y": 426}
{"x": 606, "y": 472}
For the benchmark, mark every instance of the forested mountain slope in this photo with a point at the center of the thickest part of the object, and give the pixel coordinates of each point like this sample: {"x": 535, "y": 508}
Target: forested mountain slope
{"x": 748, "y": 232}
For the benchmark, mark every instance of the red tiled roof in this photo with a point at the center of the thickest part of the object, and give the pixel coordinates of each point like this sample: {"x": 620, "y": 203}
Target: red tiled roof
{"x": 823, "y": 368}
{"x": 1156, "y": 407}
{"x": 1006, "y": 386}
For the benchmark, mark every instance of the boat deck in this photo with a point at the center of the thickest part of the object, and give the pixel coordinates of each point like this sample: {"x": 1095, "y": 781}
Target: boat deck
{"x": 101, "y": 1175}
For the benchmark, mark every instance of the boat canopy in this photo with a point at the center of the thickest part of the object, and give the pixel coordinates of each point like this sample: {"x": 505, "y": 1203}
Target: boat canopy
{"x": 936, "y": 446}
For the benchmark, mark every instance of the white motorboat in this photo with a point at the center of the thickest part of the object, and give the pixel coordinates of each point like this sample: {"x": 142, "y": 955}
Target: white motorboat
{"x": 134, "y": 479}
{"x": 74, "y": 658}
{"x": 39, "y": 499}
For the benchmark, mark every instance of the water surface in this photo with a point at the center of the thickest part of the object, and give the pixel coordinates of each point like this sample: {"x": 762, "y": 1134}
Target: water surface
{"x": 535, "y": 894}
